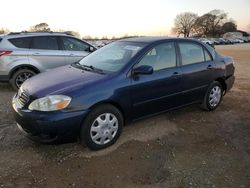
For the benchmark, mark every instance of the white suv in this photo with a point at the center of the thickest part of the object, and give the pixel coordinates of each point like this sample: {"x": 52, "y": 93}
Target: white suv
{"x": 24, "y": 54}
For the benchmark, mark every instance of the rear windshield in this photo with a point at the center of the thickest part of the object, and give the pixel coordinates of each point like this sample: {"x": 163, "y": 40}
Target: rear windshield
{"x": 23, "y": 42}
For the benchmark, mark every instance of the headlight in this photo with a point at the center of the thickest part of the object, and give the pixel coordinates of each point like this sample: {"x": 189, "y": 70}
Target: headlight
{"x": 50, "y": 103}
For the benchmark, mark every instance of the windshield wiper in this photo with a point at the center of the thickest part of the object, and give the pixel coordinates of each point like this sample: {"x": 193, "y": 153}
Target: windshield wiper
{"x": 87, "y": 67}
{"x": 78, "y": 65}
{"x": 91, "y": 67}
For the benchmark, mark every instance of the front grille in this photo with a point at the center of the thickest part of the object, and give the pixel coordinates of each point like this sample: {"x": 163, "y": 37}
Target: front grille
{"x": 23, "y": 98}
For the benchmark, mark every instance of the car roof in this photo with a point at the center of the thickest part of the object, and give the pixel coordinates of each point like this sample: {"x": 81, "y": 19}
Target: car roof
{"x": 154, "y": 39}
{"x": 30, "y": 34}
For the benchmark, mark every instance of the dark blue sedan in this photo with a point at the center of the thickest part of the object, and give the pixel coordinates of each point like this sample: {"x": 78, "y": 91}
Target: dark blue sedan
{"x": 124, "y": 81}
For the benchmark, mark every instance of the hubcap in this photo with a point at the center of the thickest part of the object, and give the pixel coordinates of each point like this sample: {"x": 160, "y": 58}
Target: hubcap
{"x": 21, "y": 78}
{"x": 104, "y": 128}
{"x": 215, "y": 96}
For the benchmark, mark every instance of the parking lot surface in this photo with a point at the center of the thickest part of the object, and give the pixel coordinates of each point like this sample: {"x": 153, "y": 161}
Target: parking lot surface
{"x": 183, "y": 148}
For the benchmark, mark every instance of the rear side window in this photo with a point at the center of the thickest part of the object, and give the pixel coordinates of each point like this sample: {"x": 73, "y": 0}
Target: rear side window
{"x": 191, "y": 53}
{"x": 72, "y": 44}
{"x": 45, "y": 43}
{"x": 23, "y": 42}
{"x": 0, "y": 39}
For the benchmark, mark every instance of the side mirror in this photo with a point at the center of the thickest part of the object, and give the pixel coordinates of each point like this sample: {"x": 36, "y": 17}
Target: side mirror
{"x": 91, "y": 49}
{"x": 143, "y": 69}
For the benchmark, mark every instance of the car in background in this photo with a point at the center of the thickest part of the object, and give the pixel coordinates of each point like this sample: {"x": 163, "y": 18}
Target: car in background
{"x": 121, "y": 82}
{"x": 223, "y": 41}
{"x": 228, "y": 41}
{"x": 206, "y": 41}
{"x": 239, "y": 40}
{"x": 24, "y": 54}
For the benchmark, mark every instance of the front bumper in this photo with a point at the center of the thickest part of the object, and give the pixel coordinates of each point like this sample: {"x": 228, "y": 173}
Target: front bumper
{"x": 44, "y": 123}
{"x": 230, "y": 82}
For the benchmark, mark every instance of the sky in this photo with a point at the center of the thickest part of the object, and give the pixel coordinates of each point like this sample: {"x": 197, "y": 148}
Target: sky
{"x": 109, "y": 18}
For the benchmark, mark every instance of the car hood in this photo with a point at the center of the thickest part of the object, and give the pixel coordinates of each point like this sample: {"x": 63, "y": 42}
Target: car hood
{"x": 59, "y": 80}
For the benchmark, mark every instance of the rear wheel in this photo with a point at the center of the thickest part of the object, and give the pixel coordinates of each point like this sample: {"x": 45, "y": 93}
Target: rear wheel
{"x": 102, "y": 127}
{"x": 20, "y": 77}
{"x": 213, "y": 96}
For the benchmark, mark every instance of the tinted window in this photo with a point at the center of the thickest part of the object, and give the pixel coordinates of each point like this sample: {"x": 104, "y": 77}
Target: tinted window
{"x": 191, "y": 53}
{"x": 0, "y": 39}
{"x": 72, "y": 44}
{"x": 45, "y": 43}
{"x": 23, "y": 42}
{"x": 160, "y": 57}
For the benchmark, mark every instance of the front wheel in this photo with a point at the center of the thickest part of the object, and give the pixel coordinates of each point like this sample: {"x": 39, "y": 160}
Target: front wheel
{"x": 213, "y": 96}
{"x": 102, "y": 127}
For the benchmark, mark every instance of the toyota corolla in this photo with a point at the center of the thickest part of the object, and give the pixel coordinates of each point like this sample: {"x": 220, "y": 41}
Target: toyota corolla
{"x": 122, "y": 82}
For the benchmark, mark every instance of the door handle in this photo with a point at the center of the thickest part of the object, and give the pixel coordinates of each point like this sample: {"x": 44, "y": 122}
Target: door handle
{"x": 175, "y": 74}
{"x": 37, "y": 53}
{"x": 209, "y": 67}
{"x": 72, "y": 55}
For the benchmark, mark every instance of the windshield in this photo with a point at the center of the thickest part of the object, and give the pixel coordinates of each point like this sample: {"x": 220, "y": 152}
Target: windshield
{"x": 113, "y": 57}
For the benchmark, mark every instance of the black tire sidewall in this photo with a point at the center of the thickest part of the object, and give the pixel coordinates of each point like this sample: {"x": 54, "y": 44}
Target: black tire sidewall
{"x": 16, "y": 74}
{"x": 206, "y": 101}
{"x": 85, "y": 136}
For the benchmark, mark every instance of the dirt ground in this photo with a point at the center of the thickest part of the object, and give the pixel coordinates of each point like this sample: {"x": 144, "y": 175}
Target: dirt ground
{"x": 184, "y": 148}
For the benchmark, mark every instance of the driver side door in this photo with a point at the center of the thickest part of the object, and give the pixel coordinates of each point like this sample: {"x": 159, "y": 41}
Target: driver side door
{"x": 161, "y": 90}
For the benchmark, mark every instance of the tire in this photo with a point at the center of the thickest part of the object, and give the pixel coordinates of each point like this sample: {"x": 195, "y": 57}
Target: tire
{"x": 21, "y": 76}
{"x": 102, "y": 127}
{"x": 213, "y": 96}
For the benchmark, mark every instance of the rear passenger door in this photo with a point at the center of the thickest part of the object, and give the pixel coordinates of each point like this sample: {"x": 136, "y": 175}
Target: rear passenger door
{"x": 197, "y": 70}
{"x": 45, "y": 52}
{"x": 74, "y": 49}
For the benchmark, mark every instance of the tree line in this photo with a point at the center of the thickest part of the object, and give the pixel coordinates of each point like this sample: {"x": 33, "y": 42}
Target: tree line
{"x": 43, "y": 27}
{"x": 212, "y": 24}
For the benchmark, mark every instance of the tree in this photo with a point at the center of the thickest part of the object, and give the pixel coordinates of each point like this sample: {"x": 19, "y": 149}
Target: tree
{"x": 210, "y": 24}
{"x": 3, "y": 31}
{"x": 87, "y": 37}
{"x": 42, "y": 27}
{"x": 74, "y": 33}
{"x": 184, "y": 23}
{"x": 229, "y": 27}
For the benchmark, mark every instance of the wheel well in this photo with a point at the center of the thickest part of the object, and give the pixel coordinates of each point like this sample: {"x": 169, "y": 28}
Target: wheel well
{"x": 223, "y": 83}
{"x": 116, "y": 105}
{"x": 23, "y": 67}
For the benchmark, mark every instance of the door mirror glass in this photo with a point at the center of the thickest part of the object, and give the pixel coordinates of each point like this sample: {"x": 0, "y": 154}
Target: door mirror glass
{"x": 91, "y": 49}
{"x": 143, "y": 69}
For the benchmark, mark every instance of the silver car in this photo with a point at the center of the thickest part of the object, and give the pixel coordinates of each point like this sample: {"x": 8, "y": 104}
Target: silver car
{"x": 24, "y": 54}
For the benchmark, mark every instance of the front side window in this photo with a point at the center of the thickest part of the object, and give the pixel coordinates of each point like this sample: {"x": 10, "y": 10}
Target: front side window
{"x": 45, "y": 43}
{"x": 160, "y": 57}
{"x": 23, "y": 42}
{"x": 72, "y": 44}
{"x": 112, "y": 57}
{"x": 191, "y": 53}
